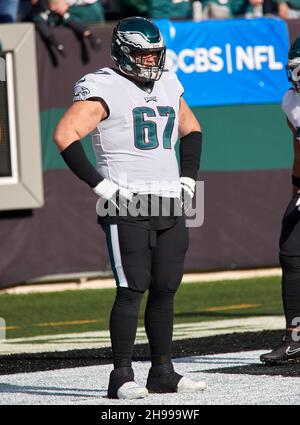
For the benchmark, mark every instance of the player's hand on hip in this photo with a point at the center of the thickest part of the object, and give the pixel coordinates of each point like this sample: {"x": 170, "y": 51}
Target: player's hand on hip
{"x": 112, "y": 192}
{"x": 187, "y": 192}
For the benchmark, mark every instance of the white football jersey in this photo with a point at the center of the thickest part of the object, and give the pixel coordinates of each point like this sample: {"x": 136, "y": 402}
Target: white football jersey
{"x": 135, "y": 144}
{"x": 291, "y": 107}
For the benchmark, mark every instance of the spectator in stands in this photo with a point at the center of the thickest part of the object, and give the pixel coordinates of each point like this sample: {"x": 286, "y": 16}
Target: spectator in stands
{"x": 216, "y": 9}
{"x": 270, "y": 7}
{"x": 47, "y": 14}
{"x": 171, "y": 9}
{"x": 288, "y": 9}
{"x": 246, "y": 8}
{"x": 8, "y": 11}
{"x": 133, "y": 8}
{"x": 222, "y": 9}
{"x": 84, "y": 11}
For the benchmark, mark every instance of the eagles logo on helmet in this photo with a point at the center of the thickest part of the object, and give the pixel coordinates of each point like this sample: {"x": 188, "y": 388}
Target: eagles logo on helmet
{"x": 132, "y": 40}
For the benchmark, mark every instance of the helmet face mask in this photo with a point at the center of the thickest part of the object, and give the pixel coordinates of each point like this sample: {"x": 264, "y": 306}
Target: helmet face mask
{"x": 138, "y": 49}
{"x": 293, "y": 65}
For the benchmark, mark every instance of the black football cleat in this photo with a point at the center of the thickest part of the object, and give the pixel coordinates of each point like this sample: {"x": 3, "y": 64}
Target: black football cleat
{"x": 122, "y": 385}
{"x": 163, "y": 379}
{"x": 287, "y": 352}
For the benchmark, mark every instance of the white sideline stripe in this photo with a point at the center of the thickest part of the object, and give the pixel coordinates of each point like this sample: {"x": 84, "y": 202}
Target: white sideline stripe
{"x": 99, "y": 339}
{"x": 104, "y": 283}
{"x": 117, "y": 256}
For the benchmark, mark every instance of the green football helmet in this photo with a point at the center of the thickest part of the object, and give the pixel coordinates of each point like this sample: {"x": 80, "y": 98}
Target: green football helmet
{"x": 132, "y": 40}
{"x": 293, "y": 65}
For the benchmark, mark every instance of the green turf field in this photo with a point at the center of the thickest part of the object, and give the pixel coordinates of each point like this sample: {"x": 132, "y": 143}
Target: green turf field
{"x": 88, "y": 310}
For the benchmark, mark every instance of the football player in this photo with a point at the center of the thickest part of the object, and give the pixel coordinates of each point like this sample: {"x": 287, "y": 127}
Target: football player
{"x": 289, "y": 246}
{"x": 135, "y": 112}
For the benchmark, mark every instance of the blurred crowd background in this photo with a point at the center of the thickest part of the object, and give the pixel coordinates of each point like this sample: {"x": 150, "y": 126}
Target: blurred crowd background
{"x": 95, "y": 11}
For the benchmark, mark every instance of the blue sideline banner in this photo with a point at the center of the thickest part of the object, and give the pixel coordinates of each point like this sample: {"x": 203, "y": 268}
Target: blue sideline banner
{"x": 227, "y": 62}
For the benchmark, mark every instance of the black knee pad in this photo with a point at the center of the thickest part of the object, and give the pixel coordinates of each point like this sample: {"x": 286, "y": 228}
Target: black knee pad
{"x": 127, "y": 301}
{"x": 161, "y": 298}
{"x": 158, "y": 292}
{"x": 290, "y": 265}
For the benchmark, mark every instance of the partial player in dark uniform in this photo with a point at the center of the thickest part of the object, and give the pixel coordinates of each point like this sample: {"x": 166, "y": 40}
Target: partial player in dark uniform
{"x": 135, "y": 113}
{"x": 289, "y": 350}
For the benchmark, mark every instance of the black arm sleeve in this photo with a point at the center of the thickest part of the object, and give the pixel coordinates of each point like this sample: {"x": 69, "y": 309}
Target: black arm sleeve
{"x": 76, "y": 159}
{"x": 190, "y": 154}
{"x": 295, "y": 181}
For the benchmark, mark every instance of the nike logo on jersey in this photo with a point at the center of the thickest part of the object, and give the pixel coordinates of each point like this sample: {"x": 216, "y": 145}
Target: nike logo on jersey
{"x": 290, "y": 352}
{"x": 150, "y": 99}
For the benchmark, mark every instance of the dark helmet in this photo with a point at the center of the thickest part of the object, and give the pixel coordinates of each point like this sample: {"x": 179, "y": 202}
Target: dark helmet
{"x": 132, "y": 39}
{"x": 293, "y": 65}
